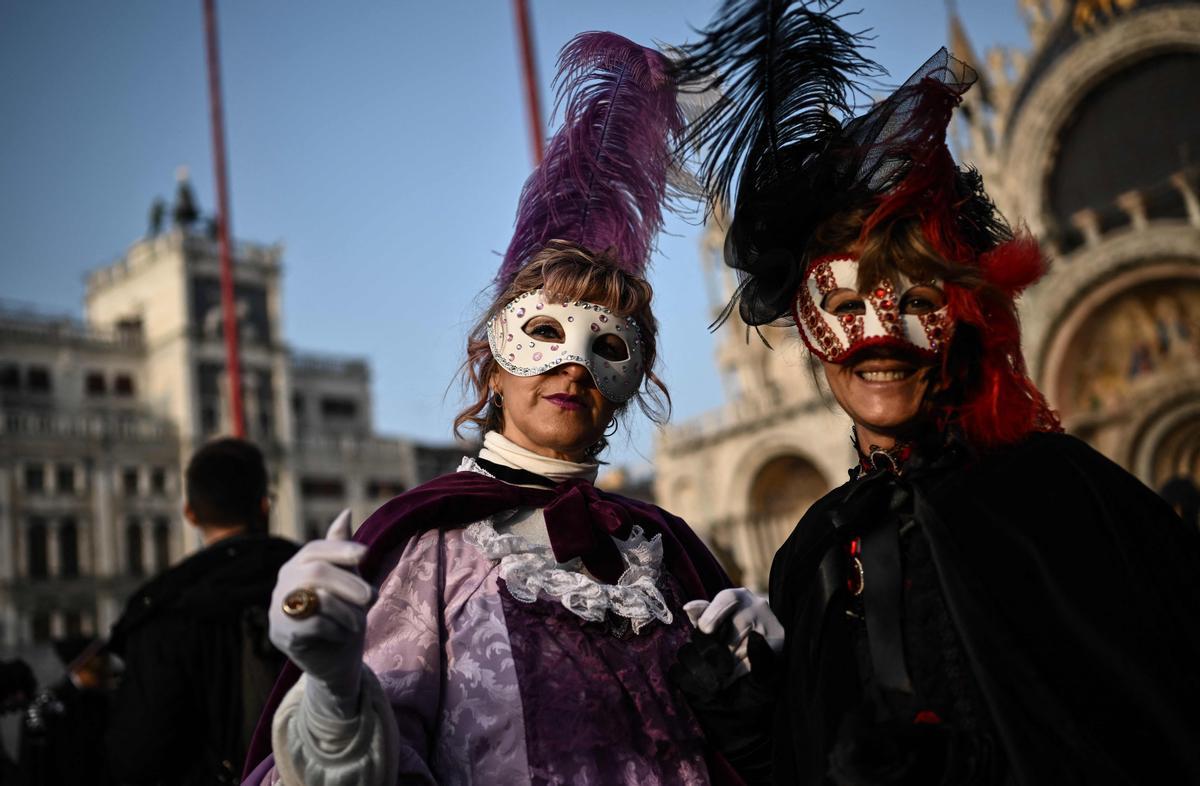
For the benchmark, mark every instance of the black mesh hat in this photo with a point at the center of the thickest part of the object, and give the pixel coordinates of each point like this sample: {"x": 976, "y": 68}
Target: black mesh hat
{"x": 783, "y": 146}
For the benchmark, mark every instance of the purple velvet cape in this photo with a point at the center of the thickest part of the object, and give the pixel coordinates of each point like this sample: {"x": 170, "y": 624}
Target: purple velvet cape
{"x": 462, "y": 498}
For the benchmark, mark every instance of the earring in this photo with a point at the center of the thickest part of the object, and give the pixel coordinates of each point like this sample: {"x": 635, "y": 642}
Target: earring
{"x": 497, "y": 399}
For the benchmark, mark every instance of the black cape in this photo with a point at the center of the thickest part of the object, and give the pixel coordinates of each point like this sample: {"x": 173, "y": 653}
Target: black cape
{"x": 1073, "y": 589}
{"x": 198, "y": 665}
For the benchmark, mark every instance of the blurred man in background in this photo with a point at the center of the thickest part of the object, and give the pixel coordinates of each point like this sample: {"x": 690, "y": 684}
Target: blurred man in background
{"x": 198, "y": 664}
{"x": 62, "y": 735}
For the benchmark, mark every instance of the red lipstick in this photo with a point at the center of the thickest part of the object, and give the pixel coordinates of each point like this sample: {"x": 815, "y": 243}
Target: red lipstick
{"x": 565, "y": 401}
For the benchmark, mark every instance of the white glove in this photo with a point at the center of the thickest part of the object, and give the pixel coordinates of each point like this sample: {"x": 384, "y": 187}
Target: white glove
{"x": 328, "y": 645}
{"x": 731, "y": 616}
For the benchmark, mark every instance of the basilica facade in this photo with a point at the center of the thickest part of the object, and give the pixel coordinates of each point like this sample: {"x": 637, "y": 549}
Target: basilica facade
{"x": 1090, "y": 137}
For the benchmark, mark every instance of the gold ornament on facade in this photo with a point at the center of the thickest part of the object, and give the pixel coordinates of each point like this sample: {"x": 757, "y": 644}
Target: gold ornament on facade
{"x": 1091, "y": 14}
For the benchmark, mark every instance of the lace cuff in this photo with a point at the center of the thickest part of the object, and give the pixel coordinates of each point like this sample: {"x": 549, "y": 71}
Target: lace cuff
{"x": 314, "y": 750}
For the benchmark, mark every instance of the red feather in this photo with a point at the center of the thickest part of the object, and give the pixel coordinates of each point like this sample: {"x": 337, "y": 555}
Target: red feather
{"x": 1013, "y": 266}
{"x": 1004, "y": 405}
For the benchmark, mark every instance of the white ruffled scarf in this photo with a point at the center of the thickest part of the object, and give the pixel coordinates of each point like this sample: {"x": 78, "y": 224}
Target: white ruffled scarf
{"x": 503, "y": 451}
{"x": 520, "y": 543}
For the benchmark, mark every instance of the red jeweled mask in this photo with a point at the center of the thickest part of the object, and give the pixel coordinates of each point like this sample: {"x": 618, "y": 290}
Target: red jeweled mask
{"x": 909, "y": 316}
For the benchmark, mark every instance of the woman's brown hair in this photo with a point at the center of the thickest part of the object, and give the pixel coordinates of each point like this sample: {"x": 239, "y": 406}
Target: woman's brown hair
{"x": 568, "y": 272}
{"x": 897, "y": 246}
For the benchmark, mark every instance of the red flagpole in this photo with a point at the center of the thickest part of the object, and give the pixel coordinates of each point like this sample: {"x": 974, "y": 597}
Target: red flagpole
{"x": 529, "y": 67}
{"x": 232, "y": 362}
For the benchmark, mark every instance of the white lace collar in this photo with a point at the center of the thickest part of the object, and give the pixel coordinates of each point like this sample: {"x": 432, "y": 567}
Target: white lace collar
{"x": 530, "y": 569}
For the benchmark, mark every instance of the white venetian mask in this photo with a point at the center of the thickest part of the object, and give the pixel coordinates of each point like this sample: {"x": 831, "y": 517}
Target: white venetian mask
{"x": 607, "y": 345}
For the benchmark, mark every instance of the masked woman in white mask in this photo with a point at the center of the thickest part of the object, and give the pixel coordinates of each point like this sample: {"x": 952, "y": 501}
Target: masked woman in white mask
{"x": 511, "y": 623}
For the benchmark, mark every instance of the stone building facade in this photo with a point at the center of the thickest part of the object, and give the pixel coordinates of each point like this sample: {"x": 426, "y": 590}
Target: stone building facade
{"x": 1091, "y": 138}
{"x": 98, "y": 418}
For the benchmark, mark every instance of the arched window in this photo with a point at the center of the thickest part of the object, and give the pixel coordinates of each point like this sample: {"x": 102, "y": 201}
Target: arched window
{"x": 68, "y": 548}
{"x": 785, "y": 485}
{"x": 781, "y": 492}
{"x": 133, "y": 547}
{"x": 37, "y": 552}
{"x": 1145, "y": 104}
{"x": 162, "y": 544}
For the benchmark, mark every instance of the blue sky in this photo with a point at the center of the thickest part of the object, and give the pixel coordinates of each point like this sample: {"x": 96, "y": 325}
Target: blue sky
{"x": 383, "y": 143}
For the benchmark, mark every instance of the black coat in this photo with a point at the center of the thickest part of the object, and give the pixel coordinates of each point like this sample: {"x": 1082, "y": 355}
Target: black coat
{"x": 1074, "y": 594}
{"x": 66, "y": 744}
{"x": 197, "y": 663}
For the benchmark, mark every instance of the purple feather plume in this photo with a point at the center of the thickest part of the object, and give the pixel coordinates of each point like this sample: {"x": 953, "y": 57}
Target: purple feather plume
{"x": 603, "y": 181}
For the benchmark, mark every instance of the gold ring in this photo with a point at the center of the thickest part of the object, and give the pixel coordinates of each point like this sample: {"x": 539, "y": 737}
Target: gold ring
{"x": 301, "y": 603}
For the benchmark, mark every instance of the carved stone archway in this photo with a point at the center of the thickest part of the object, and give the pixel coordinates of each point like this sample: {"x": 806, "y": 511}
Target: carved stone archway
{"x": 1079, "y": 329}
{"x": 1123, "y": 368}
{"x": 1166, "y": 440}
{"x": 781, "y": 490}
{"x": 1079, "y": 283}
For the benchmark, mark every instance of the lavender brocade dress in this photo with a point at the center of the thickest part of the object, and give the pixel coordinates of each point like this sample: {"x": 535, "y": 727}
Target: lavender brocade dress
{"x": 536, "y": 674}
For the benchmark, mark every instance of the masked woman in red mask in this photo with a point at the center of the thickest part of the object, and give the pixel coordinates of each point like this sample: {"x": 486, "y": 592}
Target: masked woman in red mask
{"x": 987, "y": 600}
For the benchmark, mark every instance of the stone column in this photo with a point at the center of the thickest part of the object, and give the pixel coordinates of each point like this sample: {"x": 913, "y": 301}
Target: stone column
{"x": 148, "y": 561}
{"x": 356, "y": 498}
{"x": 107, "y": 612}
{"x": 286, "y": 510}
{"x": 1133, "y": 204}
{"x": 103, "y": 517}
{"x": 84, "y": 545}
{"x": 1181, "y": 182}
{"x": 1087, "y": 221}
{"x": 9, "y": 545}
{"x": 53, "y": 563}
{"x": 8, "y": 535}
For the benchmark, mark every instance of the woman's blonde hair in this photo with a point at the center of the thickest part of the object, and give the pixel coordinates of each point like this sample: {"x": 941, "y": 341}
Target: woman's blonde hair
{"x": 568, "y": 272}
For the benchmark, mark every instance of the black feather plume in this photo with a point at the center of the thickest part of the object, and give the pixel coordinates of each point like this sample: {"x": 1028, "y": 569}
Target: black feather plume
{"x": 785, "y": 72}
{"x": 783, "y": 148}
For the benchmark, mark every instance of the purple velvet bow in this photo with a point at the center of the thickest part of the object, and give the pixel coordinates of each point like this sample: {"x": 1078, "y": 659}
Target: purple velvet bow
{"x": 582, "y": 524}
